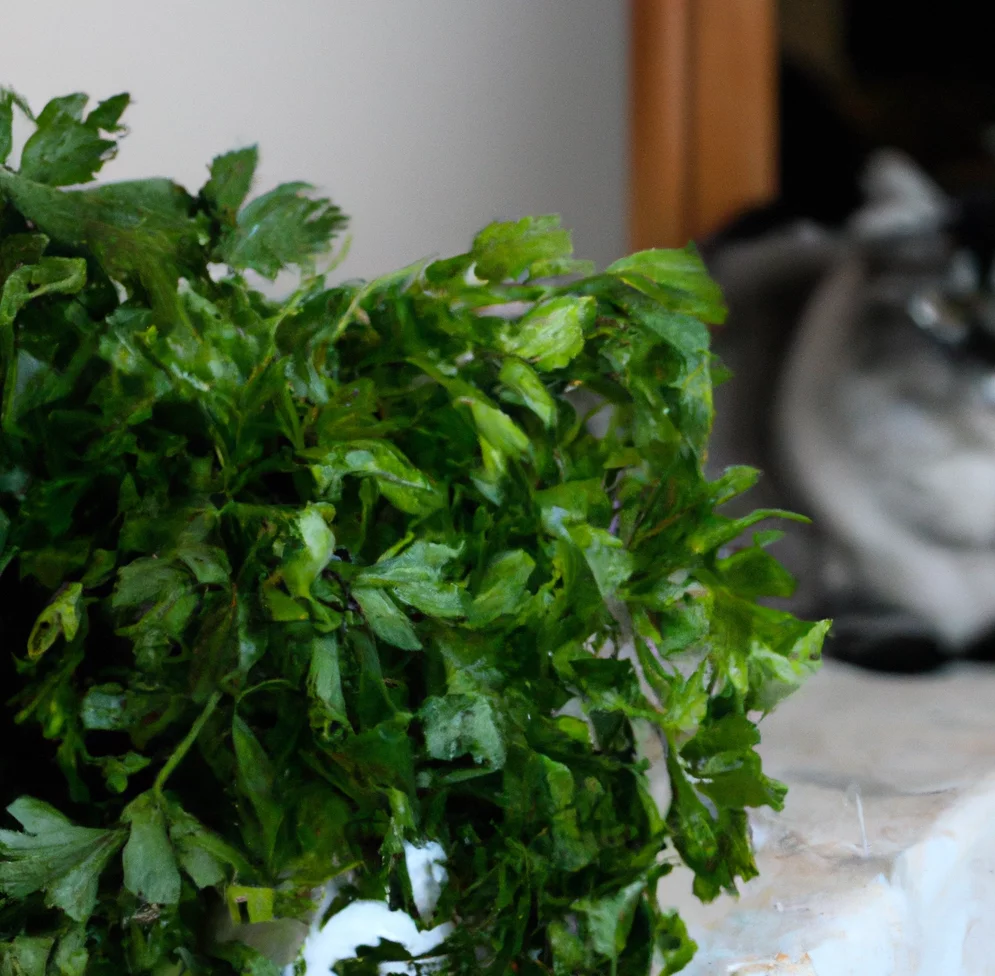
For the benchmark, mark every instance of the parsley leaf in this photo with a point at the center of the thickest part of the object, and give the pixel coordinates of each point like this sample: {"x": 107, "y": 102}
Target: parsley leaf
{"x": 231, "y": 180}
{"x": 66, "y": 146}
{"x": 150, "y": 869}
{"x": 281, "y": 228}
{"x": 56, "y": 856}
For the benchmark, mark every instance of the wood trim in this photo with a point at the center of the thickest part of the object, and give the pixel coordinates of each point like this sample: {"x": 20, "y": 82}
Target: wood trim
{"x": 734, "y": 141}
{"x": 703, "y": 115}
{"x": 659, "y": 123}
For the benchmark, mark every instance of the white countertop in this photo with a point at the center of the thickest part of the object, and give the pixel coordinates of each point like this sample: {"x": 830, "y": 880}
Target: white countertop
{"x": 883, "y": 860}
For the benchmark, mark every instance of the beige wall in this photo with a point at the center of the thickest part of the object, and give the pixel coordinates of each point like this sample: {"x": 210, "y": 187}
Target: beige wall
{"x": 423, "y": 119}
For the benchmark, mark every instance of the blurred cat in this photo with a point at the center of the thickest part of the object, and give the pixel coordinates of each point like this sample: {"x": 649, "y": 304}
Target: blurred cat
{"x": 865, "y": 362}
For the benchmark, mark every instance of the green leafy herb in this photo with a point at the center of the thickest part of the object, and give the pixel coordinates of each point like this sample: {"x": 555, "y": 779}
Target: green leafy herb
{"x": 150, "y": 870}
{"x": 55, "y": 856}
{"x": 288, "y": 583}
{"x": 66, "y": 146}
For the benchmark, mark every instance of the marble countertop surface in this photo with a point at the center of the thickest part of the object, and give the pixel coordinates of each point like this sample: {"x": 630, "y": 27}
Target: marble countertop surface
{"x": 883, "y": 860}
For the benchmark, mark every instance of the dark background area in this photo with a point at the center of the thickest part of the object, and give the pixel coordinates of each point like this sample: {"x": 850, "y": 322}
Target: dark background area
{"x": 861, "y": 74}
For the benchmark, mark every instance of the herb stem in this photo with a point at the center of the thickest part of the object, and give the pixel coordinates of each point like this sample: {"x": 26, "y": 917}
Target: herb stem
{"x": 188, "y": 740}
{"x": 343, "y": 323}
{"x": 641, "y": 517}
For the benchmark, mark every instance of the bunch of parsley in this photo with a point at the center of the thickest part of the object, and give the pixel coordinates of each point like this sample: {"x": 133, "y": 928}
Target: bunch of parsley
{"x": 286, "y": 584}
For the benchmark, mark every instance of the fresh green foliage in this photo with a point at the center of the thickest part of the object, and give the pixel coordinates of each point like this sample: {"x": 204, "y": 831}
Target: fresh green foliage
{"x": 288, "y": 583}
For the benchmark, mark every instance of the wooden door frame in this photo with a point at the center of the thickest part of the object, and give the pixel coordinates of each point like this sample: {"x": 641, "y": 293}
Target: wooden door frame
{"x": 703, "y": 115}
